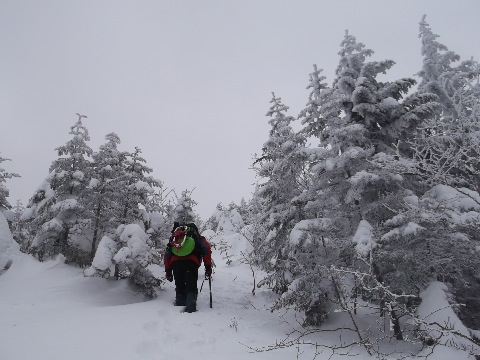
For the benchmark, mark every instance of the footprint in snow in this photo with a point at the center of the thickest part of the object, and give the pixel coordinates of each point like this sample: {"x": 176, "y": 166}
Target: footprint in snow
{"x": 151, "y": 326}
{"x": 149, "y": 350}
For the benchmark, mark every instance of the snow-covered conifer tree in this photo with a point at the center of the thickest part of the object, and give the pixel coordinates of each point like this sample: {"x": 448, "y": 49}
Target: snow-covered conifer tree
{"x": 441, "y": 74}
{"x": 124, "y": 216}
{"x": 137, "y": 188}
{"x": 429, "y": 233}
{"x": 36, "y": 219}
{"x": 103, "y": 194}
{"x": 357, "y": 121}
{"x": 346, "y": 184}
{"x": 446, "y": 150}
{"x": 434, "y": 237}
{"x": 243, "y": 210}
{"x": 130, "y": 251}
{"x": 183, "y": 211}
{"x": 8, "y": 247}
{"x": 20, "y": 231}
{"x": 313, "y": 117}
{"x": 58, "y": 219}
{"x": 281, "y": 170}
{"x": 212, "y": 222}
{"x": 4, "y": 175}
{"x": 230, "y": 221}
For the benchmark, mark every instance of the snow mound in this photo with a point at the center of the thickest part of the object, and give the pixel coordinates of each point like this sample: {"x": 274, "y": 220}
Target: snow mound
{"x": 363, "y": 239}
{"x": 437, "y": 315}
{"x": 103, "y": 256}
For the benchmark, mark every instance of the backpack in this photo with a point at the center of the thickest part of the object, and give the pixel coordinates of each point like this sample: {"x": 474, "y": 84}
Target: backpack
{"x": 183, "y": 239}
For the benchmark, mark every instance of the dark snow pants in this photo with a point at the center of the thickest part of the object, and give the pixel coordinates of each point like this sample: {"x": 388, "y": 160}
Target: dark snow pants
{"x": 185, "y": 273}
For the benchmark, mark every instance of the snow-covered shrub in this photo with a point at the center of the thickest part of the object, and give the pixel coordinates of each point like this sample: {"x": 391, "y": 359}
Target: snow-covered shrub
{"x": 439, "y": 324}
{"x": 313, "y": 248}
{"x": 102, "y": 262}
{"x": 230, "y": 222}
{"x": 130, "y": 253}
{"x": 434, "y": 238}
{"x": 8, "y": 246}
{"x": 136, "y": 254}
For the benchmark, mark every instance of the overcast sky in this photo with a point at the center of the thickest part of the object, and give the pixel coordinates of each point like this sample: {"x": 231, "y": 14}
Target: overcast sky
{"x": 189, "y": 82}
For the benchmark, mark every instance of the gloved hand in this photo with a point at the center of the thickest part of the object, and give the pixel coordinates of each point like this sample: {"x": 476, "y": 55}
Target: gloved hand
{"x": 208, "y": 271}
{"x": 169, "y": 275}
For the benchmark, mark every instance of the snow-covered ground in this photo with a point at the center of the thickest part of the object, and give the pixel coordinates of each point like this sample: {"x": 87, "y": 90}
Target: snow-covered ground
{"x": 50, "y": 311}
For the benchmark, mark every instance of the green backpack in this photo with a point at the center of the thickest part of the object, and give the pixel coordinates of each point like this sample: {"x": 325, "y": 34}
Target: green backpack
{"x": 185, "y": 248}
{"x": 182, "y": 242}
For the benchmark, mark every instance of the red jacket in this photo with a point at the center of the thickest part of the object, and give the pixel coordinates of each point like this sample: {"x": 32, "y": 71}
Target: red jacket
{"x": 201, "y": 251}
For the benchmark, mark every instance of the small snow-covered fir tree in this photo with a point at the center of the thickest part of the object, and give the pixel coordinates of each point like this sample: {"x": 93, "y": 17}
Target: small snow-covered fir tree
{"x": 70, "y": 172}
{"x": 4, "y": 175}
{"x": 243, "y": 210}
{"x": 137, "y": 187}
{"x": 136, "y": 253}
{"x": 212, "y": 221}
{"x": 20, "y": 231}
{"x": 37, "y": 220}
{"x": 434, "y": 238}
{"x": 230, "y": 221}
{"x": 315, "y": 115}
{"x": 183, "y": 212}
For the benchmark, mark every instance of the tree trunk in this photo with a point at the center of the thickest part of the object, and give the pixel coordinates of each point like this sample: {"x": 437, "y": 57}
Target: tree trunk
{"x": 397, "y": 330}
{"x": 95, "y": 231}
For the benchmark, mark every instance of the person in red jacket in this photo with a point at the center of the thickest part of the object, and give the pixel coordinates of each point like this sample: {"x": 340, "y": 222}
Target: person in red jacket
{"x": 184, "y": 254}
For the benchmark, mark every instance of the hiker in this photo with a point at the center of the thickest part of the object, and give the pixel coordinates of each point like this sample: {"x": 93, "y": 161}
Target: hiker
{"x": 183, "y": 256}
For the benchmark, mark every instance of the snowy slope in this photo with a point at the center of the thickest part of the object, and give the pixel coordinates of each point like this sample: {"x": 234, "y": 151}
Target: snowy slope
{"x": 50, "y": 311}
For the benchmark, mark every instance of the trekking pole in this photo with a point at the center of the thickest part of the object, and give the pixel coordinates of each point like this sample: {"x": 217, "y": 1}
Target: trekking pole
{"x": 210, "y": 285}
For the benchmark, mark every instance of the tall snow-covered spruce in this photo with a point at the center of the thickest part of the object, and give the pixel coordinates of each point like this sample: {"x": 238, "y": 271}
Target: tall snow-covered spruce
{"x": 281, "y": 170}
{"x": 4, "y": 175}
{"x": 8, "y": 247}
{"x": 127, "y": 245}
{"x": 56, "y": 211}
{"x": 433, "y": 233}
{"x": 446, "y": 147}
{"x": 104, "y": 190}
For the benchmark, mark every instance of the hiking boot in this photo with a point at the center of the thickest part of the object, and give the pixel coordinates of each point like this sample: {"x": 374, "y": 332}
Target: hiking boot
{"x": 180, "y": 300}
{"x": 191, "y": 303}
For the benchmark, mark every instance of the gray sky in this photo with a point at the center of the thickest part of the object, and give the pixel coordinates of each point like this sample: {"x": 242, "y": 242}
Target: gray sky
{"x": 189, "y": 82}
